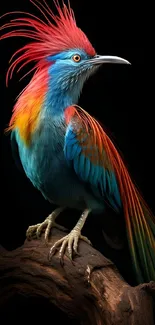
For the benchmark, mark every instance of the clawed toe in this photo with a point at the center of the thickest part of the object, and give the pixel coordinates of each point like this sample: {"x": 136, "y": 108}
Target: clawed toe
{"x": 69, "y": 242}
{"x": 36, "y": 230}
{"x": 31, "y": 232}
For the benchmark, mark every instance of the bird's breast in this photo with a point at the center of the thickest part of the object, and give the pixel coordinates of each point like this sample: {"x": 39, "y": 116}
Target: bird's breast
{"x": 45, "y": 165}
{"x": 45, "y": 148}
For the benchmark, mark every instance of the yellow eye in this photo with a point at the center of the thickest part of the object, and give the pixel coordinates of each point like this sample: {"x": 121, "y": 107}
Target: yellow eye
{"x": 76, "y": 58}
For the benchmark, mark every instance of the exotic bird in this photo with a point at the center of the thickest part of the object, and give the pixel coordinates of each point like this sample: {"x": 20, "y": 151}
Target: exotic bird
{"x": 63, "y": 150}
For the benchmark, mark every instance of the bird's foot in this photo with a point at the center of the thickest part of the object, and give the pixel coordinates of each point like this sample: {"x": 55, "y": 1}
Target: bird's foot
{"x": 35, "y": 231}
{"x": 70, "y": 242}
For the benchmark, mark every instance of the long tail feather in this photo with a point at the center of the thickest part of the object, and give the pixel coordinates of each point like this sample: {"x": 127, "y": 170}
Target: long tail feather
{"x": 140, "y": 221}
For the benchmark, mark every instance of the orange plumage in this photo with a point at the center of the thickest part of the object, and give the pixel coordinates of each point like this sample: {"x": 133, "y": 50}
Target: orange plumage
{"x": 26, "y": 111}
{"x": 72, "y": 160}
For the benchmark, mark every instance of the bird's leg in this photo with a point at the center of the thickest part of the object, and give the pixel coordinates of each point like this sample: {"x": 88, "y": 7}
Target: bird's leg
{"x": 36, "y": 230}
{"x": 71, "y": 240}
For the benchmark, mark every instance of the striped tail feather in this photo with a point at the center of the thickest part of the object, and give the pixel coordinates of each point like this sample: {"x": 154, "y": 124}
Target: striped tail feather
{"x": 140, "y": 222}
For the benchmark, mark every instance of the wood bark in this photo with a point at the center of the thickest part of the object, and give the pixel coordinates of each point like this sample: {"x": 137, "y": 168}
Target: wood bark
{"x": 89, "y": 289}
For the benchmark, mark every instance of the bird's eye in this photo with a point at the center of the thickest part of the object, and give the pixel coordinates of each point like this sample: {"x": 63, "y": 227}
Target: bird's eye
{"x": 76, "y": 58}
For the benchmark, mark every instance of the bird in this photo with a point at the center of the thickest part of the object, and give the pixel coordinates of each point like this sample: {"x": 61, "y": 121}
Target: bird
{"x": 63, "y": 150}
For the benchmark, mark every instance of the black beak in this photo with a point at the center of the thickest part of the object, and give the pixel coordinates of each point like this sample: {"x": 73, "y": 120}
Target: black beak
{"x": 100, "y": 59}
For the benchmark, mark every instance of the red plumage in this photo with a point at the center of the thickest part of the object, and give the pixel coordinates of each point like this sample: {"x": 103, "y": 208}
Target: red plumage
{"x": 54, "y": 35}
{"x": 49, "y": 37}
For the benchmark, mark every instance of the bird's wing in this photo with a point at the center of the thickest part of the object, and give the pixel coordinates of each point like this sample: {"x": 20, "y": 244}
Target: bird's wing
{"x": 15, "y": 152}
{"x": 96, "y": 161}
{"x": 85, "y": 152}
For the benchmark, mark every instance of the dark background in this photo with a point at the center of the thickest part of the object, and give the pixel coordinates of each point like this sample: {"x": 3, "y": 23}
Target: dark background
{"x": 116, "y": 95}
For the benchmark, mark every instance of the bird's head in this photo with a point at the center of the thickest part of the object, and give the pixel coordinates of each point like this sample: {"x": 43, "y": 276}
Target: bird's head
{"x": 58, "y": 43}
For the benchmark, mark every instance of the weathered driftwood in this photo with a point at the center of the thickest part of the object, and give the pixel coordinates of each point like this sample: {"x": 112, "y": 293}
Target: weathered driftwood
{"x": 89, "y": 289}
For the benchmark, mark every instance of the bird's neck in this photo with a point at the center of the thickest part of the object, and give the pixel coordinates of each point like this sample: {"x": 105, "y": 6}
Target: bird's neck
{"x": 58, "y": 98}
{"x": 44, "y": 97}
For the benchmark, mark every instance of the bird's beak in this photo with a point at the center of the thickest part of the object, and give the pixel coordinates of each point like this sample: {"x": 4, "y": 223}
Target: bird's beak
{"x": 100, "y": 59}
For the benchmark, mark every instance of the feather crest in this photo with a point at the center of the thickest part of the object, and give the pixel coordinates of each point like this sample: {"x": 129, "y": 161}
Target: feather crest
{"x": 55, "y": 34}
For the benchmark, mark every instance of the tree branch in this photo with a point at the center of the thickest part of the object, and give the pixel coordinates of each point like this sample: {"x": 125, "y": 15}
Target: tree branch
{"x": 89, "y": 289}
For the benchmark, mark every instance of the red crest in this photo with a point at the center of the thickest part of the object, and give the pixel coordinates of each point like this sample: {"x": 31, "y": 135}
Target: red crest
{"x": 54, "y": 34}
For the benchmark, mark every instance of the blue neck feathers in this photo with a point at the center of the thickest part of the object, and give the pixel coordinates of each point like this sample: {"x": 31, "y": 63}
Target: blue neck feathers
{"x": 61, "y": 93}
{"x": 57, "y": 100}
{"x": 66, "y": 79}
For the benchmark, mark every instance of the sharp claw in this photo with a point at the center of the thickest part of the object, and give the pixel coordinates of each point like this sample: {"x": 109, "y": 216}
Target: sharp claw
{"x": 47, "y": 232}
{"x": 56, "y": 245}
{"x": 62, "y": 249}
{"x": 61, "y": 261}
{"x": 46, "y": 240}
{"x": 70, "y": 256}
{"x": 49, "y": 256}
{"x": 76, "y": 251}
{"x": 76, "y": 244}
{"x": 38, "y": 233}
{"x": 31, "y": 232}
{"x": 36, "y": 230}
{"x": 51, "y": 253}
{"x": 70, "y": 242}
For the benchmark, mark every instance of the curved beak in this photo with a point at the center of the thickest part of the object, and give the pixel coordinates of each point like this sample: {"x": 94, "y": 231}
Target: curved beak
{"x": 100, "y": 59}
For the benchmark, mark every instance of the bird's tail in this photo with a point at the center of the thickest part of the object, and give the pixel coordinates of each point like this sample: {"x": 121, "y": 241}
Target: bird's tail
{"x": 140, "y": 221}
{"x": 140, "y": 225}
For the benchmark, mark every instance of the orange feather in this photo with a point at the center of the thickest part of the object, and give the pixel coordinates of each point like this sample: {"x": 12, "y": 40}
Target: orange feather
{"x": 26, "y": 111}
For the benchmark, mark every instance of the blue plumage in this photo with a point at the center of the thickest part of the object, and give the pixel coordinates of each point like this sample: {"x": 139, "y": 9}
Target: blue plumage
{"x": 64, "y": 151}
{"x": 45, "y": 165}
{"x": 63, "y": 159}
{"x": 54, "y": 161}
{"x": 103, "y": 182}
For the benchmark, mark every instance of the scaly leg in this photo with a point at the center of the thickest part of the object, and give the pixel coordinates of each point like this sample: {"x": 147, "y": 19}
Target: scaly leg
{"x": 71, "y": 240}
{"x": 36, "y": 230}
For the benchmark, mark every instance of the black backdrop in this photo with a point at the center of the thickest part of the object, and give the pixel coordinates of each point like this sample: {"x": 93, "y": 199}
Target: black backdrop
{"x": 115, "y": 95}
